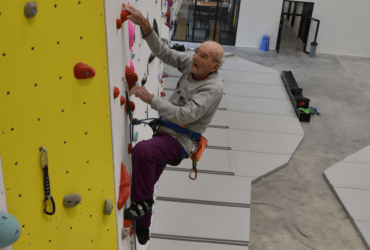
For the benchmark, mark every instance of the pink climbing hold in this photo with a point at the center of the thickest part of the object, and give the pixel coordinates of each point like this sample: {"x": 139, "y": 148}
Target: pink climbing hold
{"x": 164, "y": 76}
{"x": 131, "y": 33}
{"x": 132, "y": 65}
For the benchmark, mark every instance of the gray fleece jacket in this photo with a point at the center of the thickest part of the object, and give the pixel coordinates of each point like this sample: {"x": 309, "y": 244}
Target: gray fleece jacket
{"x": 193, "y": 103}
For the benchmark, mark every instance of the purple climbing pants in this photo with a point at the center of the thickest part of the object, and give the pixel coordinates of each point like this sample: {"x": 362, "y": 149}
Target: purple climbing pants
{"x": 145, "y": 169}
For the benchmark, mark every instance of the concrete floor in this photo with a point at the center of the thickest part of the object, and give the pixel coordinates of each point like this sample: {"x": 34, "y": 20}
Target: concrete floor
{"x": 294, "y": 208}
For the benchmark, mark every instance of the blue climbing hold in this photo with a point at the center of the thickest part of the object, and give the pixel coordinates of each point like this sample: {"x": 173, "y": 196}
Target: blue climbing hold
{"x": 136, "y": 136}
{"x": 10, "y": 229}
{"x": 132, "y": 55}
{"x": 137, "y": 84}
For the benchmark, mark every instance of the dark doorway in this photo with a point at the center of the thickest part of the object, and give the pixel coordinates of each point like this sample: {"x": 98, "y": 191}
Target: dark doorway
{"x": 207, "y": 20}
{"x": 304, "y": 27}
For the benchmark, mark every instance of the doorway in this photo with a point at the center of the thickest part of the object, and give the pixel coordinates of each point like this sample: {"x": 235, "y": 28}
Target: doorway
{"x": 207, "y": 20}
{"x": 306, "y": 10}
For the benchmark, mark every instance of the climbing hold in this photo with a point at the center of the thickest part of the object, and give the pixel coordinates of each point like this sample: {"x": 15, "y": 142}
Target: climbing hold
{"x": 123, "y": 100}
{"x": 132, "y": 106}
{"x": 139, "y": 44}
{"x": 124, "y": 187}
{"x": 155, "y": 27}
{"x": 131, "y": 77}
{"x": 165, "y": 15}
{"x": 136, "y": 136}
{"x": 71, "y": 200}
{"x": 131, "y": 231}
{"x": 124, "y": 14}
{"x": 143, "y": 81}
{"x": 132, "y": 55}
{"x": 127, "y": 223}
{"x": 137, "y": 84}
{"x": 129, "y": 148}
{"x": 118, "y": 23}
{"x": 132, "y": 65}
{"x": 108, "y": 207}
{"x": 132, "y": 49}
{"x": 138, "y": 60}
{"x": 125, "y": 232}
{"x": 151, "y": 57}
{"x": 162, "y": 93}
{"x": 30, "y": 9}
{"x": 115, "y": 92}
{"x": 83, "y": 71}
{"x": 168, "y": 25}
{"x": 159, "y": 75}
{"x": 10, "y": 229}
{"x": 161, "y": 81}
{"x": 170, "y": 3}
{"x": 164, "y": 76}
{"x": 162, "y": 14}
{"x": 131, "y": 33}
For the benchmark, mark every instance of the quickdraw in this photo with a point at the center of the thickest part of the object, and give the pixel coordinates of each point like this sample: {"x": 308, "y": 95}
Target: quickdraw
{"x": 46, "y": 181}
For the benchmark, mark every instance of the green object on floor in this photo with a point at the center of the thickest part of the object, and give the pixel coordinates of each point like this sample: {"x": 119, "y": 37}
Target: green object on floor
{"x": 307, "y": 111}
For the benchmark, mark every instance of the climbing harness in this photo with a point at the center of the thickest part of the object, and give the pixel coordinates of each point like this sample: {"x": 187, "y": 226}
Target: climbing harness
{"x": 46, "y": 181}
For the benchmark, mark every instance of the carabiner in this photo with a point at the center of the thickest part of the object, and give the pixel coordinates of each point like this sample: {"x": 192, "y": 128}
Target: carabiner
{"x": 52, "y": 202}
{"x": 194, "y": 167}
{"x": 45, "y": 168}
{"x": 195, "y": 170}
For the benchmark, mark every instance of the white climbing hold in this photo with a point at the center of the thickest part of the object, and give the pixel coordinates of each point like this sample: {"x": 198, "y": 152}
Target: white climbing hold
{"x": 71, "y": 200}
{"x": 108, "y": 207}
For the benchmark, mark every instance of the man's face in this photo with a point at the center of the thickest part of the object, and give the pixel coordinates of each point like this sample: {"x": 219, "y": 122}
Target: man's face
{"x": 203, "y": 62}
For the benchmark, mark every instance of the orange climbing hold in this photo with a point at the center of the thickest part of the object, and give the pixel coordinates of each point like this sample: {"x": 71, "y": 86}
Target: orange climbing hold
{"x": 132, "y": 106}
{"x": 131, "y": 231}
{"x": 165, "y": 15}
{"x": 123, "y": 100}
{"x": 129, "y": 148}
{"x": 131, "y": 77}
{"x": 162, "y": 93}
{"x": 119, "y": 23}
{"x": 83, "y": 71}
{"x": 124, "y": 187}
{"x": 162, "y": 82}
{"x": 115, "y": 92}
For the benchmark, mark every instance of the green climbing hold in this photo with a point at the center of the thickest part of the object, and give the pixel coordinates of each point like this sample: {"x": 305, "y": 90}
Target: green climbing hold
{"x": 136, "y": 136}
{"x": 137, "y": 84}
{"x": 132, "y": 55}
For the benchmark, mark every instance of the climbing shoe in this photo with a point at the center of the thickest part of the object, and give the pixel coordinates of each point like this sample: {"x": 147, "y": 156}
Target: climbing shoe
{"x": 142, "y": 235}
{"x": 138, "y": 209}
{"x": 178, "y": 47}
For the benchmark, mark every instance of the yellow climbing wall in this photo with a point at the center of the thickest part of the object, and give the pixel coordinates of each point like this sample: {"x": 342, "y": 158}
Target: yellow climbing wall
{"x": 43, "y": 104}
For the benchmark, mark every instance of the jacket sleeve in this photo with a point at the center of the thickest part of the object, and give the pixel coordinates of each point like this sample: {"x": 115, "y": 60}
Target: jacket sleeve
{"x": 174, "y": 58}
{"x": 194, "y": 109}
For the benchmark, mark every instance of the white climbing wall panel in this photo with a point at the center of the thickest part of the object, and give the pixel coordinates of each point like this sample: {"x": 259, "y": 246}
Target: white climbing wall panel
{"x": 119, "y": 56}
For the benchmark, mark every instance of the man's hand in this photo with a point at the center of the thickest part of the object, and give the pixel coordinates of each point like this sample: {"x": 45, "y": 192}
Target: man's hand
{"x": 135, "y": 16}
{"x": 142, "y": 93}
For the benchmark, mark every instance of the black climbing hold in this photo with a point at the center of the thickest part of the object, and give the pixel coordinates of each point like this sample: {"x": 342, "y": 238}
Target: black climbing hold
{"x": 151, "y": 57}
{"x": 143, "y": 81}
{"x": 155, "y": 26}
{"x": 30, "y": 9}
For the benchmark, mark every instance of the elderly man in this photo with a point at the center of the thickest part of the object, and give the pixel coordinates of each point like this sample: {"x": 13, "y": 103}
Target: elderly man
{"x": 193, "y": 104}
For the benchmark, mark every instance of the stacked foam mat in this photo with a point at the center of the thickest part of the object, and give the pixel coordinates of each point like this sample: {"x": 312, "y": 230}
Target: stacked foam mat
{"x": 254, "y": 133}
{"x": 349, "y": 180}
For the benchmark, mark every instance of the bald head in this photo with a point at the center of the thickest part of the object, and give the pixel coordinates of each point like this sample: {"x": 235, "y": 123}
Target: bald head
{"x": 214, "y": 49}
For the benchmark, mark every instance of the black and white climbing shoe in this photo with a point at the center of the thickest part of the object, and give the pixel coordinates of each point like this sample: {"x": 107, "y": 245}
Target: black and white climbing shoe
{"x": 142, "y": 235}
{"x": 138, "y": 209}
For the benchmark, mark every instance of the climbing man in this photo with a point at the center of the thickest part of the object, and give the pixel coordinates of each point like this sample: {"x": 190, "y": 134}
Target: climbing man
{"x": 193, "y": 104}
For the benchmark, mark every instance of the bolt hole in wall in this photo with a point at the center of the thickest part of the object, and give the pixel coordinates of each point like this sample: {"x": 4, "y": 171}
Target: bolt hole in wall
{"x": 213, "y": 20}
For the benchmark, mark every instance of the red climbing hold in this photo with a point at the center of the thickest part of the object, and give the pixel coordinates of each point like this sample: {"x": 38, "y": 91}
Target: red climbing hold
{"x": 129, "y": 148}
{"x": 123, "y": 100}
{"x": 131, "y": 77}
{"x": 162, "y": 82}
{"x": 165, "y": 15}
{"x": 119, "y": 23}
{"x": 162, "y": 93}
{"x": 115, "y": 92}
{"x": 83, "y": 71}
{"x": 127, "y": 223}
{"x": 131, "y": 231}
{"x": 124, "y": 15}
{"x": 124, "y": 187}
{"x": 132, "y": 106}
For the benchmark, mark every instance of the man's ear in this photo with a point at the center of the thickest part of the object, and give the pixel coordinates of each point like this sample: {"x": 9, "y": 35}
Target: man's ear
{"x": 215, "y": 66}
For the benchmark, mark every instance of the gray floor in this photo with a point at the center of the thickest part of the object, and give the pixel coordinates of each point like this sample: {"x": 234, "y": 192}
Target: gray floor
{"x": 295, "y": 208}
